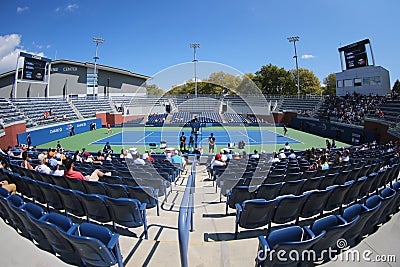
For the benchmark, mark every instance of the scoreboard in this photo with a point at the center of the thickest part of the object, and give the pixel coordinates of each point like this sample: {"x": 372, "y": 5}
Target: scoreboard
{"x": 355, "y": 54}
{"x": 34, "y": 67}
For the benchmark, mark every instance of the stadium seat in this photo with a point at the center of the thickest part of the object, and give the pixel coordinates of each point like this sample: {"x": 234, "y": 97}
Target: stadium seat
{"x": 268, "y": 191}
{"x": 334, "y": 226}
{"x": 128, "y": 212}
{"x": 70, "y": 201}
{"x": 288, "y": 208}
{"x": 95, "y": 207}
{"x": 94, "y": 187}
{"x": 291, "y": 187}
{"x": 314, "y": 203}
{"x": 238, "y": 194}
{"x": 51, "y": 224}
{"x": 97, "y": 245}
{"x": 145, "y": 194}
{"x": 254, "y": 213}
{"x": 75, "y": 184}
{"x": 335, "y": 199}
{"x": 51, "y": 196}
{"x": 287, "y": 239}
{"x": 116, "y": 190}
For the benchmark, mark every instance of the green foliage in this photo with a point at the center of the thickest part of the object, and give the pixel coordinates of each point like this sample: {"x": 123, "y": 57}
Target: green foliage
{"x": 309, "y": 83}
{"x": 330, "y": 85}
{"x": 396, "y": 86}
{"x": 153, "y": 89}
{"x": 274, "y": 80}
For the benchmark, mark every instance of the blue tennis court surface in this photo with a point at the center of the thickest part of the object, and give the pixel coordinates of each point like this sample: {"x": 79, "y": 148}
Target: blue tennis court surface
{"x": 223, "y": 137}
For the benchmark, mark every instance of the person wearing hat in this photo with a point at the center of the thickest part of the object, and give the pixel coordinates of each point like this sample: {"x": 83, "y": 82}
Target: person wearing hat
{"x": 217, "y": 161}
{"x": 55, "y": 168}
{"x": 43, "y": 168}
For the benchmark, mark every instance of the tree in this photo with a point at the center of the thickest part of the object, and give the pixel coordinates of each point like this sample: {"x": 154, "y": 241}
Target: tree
{"x": 247, "y": 86}
{"x": 309, "y": 83}
{"x": 153, "y": 89}
{"x": 396, "y": 86}
{"x": 274, "y": 80}
{"x": 330, "y": 85}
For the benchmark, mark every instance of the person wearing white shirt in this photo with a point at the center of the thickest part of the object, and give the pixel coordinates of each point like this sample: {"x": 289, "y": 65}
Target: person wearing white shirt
{"x": 138, "y": 160}
{"x": 217, "y": 161}
{"x": 43, "y": 168}
{"x": 255, "y": 155}
{"x": 292, "y": 154}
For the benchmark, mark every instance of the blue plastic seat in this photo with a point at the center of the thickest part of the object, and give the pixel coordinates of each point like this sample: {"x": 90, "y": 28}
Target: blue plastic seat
{"x": 95, "y": 207}
{"x": 145, "y": 194}
{"x": 128, "y": 212}
{"x": 238, "y": 194}
{"x": 14, "y": 203}
{"x": 335, "y": 227}
{"x": 97, "y": 245}
{"x": 254, "y": 213}
{"x": 75, "y": 184}
{"x": 314, "y": 203}
{"x": 335, "y": 200}
{"x": 288, "y": 208}
{"x": 52, "y": 224}
{"x": 291, "y": 187}
{"x": 268, "y": 191}
{"x": 94, "y": 187}
{"x": 51, "y": 196}
{"x": 116, "y": 190}
{"x": 70, "y": 201}
{"x": 287, "y": 239}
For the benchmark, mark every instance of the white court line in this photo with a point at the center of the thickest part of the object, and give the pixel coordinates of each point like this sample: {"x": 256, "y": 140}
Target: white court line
{"x": 141, "y": 139}
{"x": 92, "y": 143}
{"x": 251, "y": 139}
{"x": 285, "y": 136}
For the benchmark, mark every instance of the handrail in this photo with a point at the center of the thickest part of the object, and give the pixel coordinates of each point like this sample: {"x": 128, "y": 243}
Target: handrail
{"x": 185, "y": 220}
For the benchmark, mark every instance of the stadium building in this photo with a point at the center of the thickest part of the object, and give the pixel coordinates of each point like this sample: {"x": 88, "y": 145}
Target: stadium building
{"x": 73, "y": 78}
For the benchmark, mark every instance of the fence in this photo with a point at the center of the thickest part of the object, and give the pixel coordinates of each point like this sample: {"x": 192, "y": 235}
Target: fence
{"x": 185, "y": 220}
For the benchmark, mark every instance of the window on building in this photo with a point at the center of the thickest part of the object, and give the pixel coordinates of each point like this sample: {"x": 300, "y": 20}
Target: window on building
{"x": 376, "y": 80}
{"x": 339, "y": 83}
{"x": 348, "y": 83}
{"x": 357, "y": 82}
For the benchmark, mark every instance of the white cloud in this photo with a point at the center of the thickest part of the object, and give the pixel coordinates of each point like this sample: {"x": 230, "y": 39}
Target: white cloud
{"x": 57, "y": 9}
{"x": 306, "y": 56}
{"x": 71, "y": 7}
{"x": 48, "y": 46}
{"x": 22, "y": 9}
{"x": 10, "y": 46}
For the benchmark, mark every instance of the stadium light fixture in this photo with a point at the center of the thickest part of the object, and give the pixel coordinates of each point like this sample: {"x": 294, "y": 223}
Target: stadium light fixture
{"x": 293, "y": 40}
{"x": 96, "y": 57}
{"x": 195, "y": 46}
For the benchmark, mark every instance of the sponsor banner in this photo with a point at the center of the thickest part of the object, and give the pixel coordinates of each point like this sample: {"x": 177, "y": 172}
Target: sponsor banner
{"x": 59, "y": 131}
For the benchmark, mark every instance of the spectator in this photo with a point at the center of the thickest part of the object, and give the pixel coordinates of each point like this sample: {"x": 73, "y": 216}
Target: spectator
{"x": 77, "y": 156}
{"x": 43, "y": 168}
{"x": 281, "y": 154}
{"x": 138, "y": 160}
{"x": 2, "y": 125}
{"x": 107, "y": 148}
{"x": 217, "y": 161}
{"x": 99, "y": 156}
{"x": 25, "y": 163}
{"x": 292, "y": 155}
{"x": 70, "y": 173}
{"x": 274, "y": 158}
{"x": 286, "y": 147}
{"x": 29, "y": 140}
{"x": 255, "y": 155}
{"x": 338, "y": 157}
{"x": 323, "y": 163}
{"x": 12, "y": 188}
{"x": 55, "y": 169}
{"x": 178, "y": 159}
{"x": 346, "y": 155}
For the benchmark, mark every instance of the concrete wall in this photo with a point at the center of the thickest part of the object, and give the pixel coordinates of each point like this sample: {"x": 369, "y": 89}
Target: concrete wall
{"x": 364, "y": 72}
{"x": 10, "y": 137}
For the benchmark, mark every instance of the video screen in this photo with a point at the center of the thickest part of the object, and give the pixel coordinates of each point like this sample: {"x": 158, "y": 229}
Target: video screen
{"x": 34, "y": 69}
{"x": 356, "y": 57}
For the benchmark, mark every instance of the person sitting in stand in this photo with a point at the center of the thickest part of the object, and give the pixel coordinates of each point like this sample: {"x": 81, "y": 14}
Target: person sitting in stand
{"x": 70, "y": 173}
{"x": 99, "y": 156}
{"x": 43, "y": 168}
{"x": 292, "y": 155}
{"x": 25, "y": 164}
{"x": 4, "y": 183}
{"x": 255, "y": 155}
{"x": 217, "y": 161}
{"x": 107, "y": 148}
{"x": 138, "y": 160}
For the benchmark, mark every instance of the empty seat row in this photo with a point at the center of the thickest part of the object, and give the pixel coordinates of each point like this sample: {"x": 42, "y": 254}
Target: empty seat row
{"x": 82, "y": 244}
{"x": 322, "y": 235}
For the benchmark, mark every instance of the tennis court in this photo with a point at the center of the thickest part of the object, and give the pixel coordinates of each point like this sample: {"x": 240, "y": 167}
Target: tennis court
{"x": 171, "y": 136}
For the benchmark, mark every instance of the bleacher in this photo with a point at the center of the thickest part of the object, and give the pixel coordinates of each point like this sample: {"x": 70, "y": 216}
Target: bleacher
{"x": 34, "y": 109}
{"x": 10, "y": 113}
{"x": 234, "y": 118}
{"x": 302, "y": 104}
{"x": 199, "y": 104}
{"x": 181, "y": 117}
{"x": 88, "y": 106}
{"x": 156, "y": 119}
{"x": 391, "y": 111}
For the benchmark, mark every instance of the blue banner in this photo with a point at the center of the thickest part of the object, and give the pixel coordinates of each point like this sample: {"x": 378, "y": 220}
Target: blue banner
{"x": 56, "y": 132}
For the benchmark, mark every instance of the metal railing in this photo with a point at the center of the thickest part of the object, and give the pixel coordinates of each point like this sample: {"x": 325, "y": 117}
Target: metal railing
{"x": 185, "y": 220}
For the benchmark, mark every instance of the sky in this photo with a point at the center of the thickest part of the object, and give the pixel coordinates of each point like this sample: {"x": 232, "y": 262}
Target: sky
{"x": 149, "y": 36}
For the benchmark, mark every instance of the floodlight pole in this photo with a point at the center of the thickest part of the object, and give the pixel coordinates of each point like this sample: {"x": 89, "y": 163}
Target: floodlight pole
{"x": 96, "y": 57}
{"x": 293, "y": 40}
{"x": 194, "y": 46}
